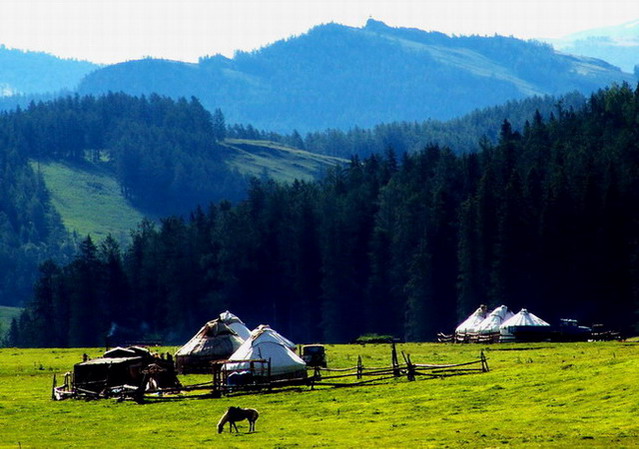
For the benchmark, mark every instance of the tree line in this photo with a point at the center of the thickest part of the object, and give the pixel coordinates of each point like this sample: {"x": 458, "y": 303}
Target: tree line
{"x": 164, "y": 153}
{"x": 462, "y": 134}
{"x": 406, "y": 245}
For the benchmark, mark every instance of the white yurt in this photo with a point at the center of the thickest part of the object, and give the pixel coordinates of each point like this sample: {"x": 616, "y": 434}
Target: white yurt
{"x": 470, "y": 324}
{"x": 236, "y": 324}
{"x": 285, "y": 341}
{"x": 495, "y": 319}
{"x": 266, "y": 344}
{"x": 523, "y": 326}
{"x": 214, "y": 341}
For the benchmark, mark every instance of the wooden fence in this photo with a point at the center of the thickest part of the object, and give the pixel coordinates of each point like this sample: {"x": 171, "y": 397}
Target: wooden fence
{"x": 341, "y": 377}
{"x": 469, "y": 337}
{"x": 261, "y": 379}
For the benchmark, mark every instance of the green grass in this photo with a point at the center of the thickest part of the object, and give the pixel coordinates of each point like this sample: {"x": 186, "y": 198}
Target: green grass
{"x": 571, "y": 395}
{"x": 258, "y": 158}
{"x": 88, "y": 197}
{"x": 89, "y": 200}
{"x": 6, "y": 315}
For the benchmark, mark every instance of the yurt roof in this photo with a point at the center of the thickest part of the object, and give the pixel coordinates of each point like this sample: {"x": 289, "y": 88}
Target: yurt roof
{"x": 236, "y": 324}
{"x": 267, "y": 344}
{"x": 494, "y": 320}
{"x": 227, "y": 318}
{"x": 212, "y": 339}
{"x": 471, "y": 323}
{"x": 272, "y": 333}
{"x": 524, "y": 318}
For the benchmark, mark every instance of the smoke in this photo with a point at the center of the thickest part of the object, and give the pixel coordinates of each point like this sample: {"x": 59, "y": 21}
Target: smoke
{"x": 114, "y": 327}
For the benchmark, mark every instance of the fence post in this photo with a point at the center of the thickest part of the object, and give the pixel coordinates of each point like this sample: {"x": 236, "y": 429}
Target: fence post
{"x": 217, "y": 380}
{"x": 318, "y": 373}
{"x": 396, "y": 372}
{"x": 360, "y": 367}
{"x": 411, "y": 368}
{"x": 484, "y": 362}
{"x": 55, "y": 384}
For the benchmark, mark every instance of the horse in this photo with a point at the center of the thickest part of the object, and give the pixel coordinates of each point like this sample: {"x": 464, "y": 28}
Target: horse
{"x": 234, "y": 414}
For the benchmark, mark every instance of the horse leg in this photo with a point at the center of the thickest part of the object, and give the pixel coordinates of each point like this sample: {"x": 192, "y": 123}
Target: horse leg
{"x": 234, "y": 425}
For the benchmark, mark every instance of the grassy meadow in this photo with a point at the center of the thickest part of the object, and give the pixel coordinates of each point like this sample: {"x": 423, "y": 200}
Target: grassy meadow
{"x": 542, "y": 395}
{"x": 89, "y": 200}
{"x": 282, "y": 163}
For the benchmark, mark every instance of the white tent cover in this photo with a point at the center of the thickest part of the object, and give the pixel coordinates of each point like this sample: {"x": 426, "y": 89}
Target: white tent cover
{"x": 285, "y": 341}
{"x": 266, "y": 344}
{"x": 523, "y": 318}
{"x": 473, "y": 321}
{"x": 495, "y": 319}
{"x": 236, "y": 324}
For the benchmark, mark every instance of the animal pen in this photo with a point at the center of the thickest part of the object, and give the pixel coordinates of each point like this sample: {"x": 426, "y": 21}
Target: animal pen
{"x": 255, "y": 376}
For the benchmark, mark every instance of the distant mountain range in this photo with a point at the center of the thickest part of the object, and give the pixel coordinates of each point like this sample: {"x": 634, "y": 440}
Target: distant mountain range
{"x": 333, "y": 76}
{"x": 618, "y": 45}
{"x": 29, "y": 72}
{"x": 337, "y": 76}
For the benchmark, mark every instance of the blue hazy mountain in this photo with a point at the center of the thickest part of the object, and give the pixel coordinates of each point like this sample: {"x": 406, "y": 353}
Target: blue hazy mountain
{"x": 338, "y": 76}
{"x": 29, "y": 72}
{"x": 618, "y": 44}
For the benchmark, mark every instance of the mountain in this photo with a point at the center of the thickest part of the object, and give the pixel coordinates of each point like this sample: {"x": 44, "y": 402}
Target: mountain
{"x": 619, "y": 44}
{"x": 29, "y": 72}
{"x": 336, "y": 76}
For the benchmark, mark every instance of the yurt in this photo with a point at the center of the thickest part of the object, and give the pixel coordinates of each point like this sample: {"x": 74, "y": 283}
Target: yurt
{"x": 490, "y": 326}
{"x": 236, "y": 324}
{"x": 266, "y": 344}
{"x": 470, "y": 324}
{"x": 285, "y": 341}
{"x": 214, "y": 341}
{"x": 524, "y": 326}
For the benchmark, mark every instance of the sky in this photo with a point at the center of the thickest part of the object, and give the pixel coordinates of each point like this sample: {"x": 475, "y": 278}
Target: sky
{"x": 118, "y": 30}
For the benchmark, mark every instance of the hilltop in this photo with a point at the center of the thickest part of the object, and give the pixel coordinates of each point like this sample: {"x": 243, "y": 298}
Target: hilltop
{"x": 335, "y": 76}
{"x": 30, "y": 72}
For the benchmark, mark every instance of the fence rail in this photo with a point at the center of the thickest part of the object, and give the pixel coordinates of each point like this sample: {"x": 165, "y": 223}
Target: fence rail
{"x": 407, "y": 369}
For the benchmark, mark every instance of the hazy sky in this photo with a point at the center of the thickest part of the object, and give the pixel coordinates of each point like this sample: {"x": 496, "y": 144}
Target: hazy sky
{"x": 117, "y": 30}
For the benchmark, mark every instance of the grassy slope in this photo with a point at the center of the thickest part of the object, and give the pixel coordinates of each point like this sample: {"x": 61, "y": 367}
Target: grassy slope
{"x": 6, "y": 315}
{"x": 89, "y": 200}
{"x": 256, "y": 158}
{"x": 540, "y": 396}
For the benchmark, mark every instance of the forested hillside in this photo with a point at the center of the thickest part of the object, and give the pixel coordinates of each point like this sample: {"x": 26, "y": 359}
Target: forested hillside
{"x": 163, "y": 153}
{"x": 543, "y": 219}
{"x": 30, "y": 229}
{"x": 462, "y": 134}
{"x": 336, "y": 76}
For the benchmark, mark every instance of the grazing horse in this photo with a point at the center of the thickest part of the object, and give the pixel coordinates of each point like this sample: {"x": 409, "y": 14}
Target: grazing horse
{"x": 234, "y": 414}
